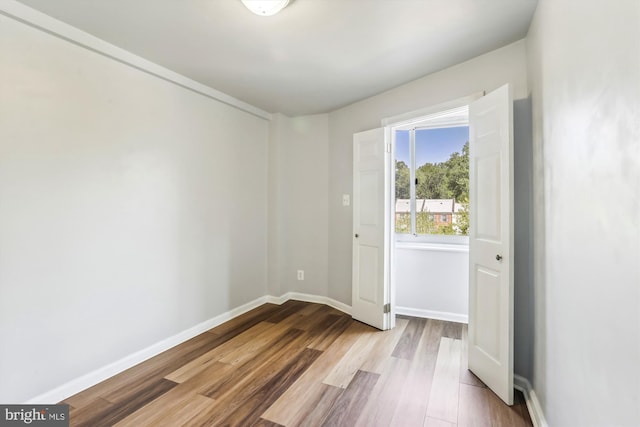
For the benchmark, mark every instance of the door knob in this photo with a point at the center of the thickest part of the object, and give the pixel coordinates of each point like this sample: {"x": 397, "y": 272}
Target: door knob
{"x": 356, "y": 235}
{"x": 499, "y": 257}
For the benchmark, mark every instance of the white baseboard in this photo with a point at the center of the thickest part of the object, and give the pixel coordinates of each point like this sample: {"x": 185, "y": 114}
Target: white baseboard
{"x": 533, "y": 404}
{"x": 316, "y": 299}
{"x": 92, "y": 378}
{"x": 430, "y": 314}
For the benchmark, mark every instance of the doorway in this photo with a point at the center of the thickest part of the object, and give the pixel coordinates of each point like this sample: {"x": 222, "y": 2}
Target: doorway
{"x": 490, "y": 118}
{"x": 430, "y": 162}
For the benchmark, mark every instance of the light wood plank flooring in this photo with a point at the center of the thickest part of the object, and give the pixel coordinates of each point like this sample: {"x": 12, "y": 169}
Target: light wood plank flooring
{"x": 303, "y": 364}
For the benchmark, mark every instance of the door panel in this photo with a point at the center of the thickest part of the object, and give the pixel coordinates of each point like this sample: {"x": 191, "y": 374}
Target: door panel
{"x": 370, "y": 282}
{"x": 491, "y": 242}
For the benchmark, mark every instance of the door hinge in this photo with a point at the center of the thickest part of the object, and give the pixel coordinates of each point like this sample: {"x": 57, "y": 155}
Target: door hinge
{"x": 387, "y": 308}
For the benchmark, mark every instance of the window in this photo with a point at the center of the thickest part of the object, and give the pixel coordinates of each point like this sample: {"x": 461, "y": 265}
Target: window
{"x": 432, "y": 177}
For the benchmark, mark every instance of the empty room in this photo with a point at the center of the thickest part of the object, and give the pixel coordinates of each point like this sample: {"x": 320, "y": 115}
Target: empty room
{"x": 320, "y": 213}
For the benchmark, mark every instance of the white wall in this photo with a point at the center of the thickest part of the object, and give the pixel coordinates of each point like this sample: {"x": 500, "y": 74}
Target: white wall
{"x": 432, "y": 282}
{"x": 130, "y": 210}
{"x": 584, "y": 69}
{"x": 298, "y": 152}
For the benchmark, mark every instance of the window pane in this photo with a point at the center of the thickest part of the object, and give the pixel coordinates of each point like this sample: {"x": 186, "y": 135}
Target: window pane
{"x": 403, "y": 205}
{"x": 442, "y": 173}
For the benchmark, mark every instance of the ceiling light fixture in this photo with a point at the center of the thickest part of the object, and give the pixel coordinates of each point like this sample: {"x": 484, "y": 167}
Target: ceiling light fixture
{"x": 265, "y": 7}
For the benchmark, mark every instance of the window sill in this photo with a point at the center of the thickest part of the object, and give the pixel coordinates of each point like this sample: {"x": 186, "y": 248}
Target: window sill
{"x": 437, "y": 247}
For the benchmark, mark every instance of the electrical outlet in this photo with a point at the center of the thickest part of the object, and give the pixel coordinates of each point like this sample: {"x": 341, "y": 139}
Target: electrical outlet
{"x": 300, "y": 274}
{"x": 346, "y": 200}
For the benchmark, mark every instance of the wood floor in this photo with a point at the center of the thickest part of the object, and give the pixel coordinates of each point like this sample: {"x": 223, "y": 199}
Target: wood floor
{"x": 303, "y": 364}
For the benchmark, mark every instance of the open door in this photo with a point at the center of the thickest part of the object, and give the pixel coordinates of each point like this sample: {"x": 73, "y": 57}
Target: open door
{"x": 491, "y": 241}
{"x": 371, "y": 224}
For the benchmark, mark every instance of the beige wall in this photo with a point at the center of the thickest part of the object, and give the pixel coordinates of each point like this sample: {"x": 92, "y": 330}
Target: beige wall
{"x": 584, "y": 72}
{"x": 131, "y": 209}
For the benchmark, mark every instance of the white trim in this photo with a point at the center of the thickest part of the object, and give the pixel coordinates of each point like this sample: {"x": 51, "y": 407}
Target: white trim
{"x": 92, "y": 378}
{"x": 431, "y": 314}
{"x": 533, "y": 404}
{"x": 316, "y": 299}
{"x": 46, "y": 23}
{"x": 406, "y": 118}
{"x": 436, "y": 247}
{"x": 453, "y": 117}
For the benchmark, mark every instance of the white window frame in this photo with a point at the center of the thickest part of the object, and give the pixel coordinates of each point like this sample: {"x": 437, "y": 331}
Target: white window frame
{"x": 451, "y": 114}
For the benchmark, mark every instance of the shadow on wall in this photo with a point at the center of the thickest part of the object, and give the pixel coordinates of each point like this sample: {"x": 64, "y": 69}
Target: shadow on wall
{"x": 524, "y": 317}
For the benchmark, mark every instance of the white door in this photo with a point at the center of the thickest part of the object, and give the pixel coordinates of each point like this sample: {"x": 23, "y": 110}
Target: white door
{"x": 491, "y": 241}
{"x": 371, "y": 225}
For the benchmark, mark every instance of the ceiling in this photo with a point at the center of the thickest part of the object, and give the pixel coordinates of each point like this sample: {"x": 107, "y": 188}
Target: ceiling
{"x": 314, "y": 56}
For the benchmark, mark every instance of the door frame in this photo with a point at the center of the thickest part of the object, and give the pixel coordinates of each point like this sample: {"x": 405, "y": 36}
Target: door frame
{"x": 415, "y": 117}
{"x": 407, "y": 119}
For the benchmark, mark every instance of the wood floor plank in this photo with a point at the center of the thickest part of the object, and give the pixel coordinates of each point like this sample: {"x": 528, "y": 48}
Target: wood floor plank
{"x": 352, "y": 361}
{"x": 329, "y": 330}
{"x": 246, "y": 320}
{"x": 287, "y": 309}
{"x": 265, "y": 423}
{"x": 308, "y": 322}
{"x": 181, "y": 415}
{"x": 228, "y": 382}
{"x": 171, "y": 404}
{"x": 385, "y": 396}
{"x": 412, "y": 409}
{"x": 84, "y": 416}
{"x": 521, "y": 404}
{"x": 199, "y": 364}
{"x": 151, "y": 412}
{"x": 473, "y": 407}
{"x": 173, "y": 408}
{"x": 313, "y": 309}
{"x": 348, "y": 408}
{"x": 503, "y": 415}
{"x": 318, "y": 404}
{"x": 434, "y": 422}
{"x": 254, "y": 347}
{"x": 466, "y": 376}
{"x": 139, "y": 382}
{"x": 408, "y": 343}
{"x": 202, "y": 382}
{"x": 236, "y": 398}
{"x": 445, "y": 388}
{"x": 157, "y": 366}
{"x": 291, "y": 407}
{"x": 307, "y": 317}
{"x": 452, "y": 330}
{"x": 386, "y": 345}
{"x": 109, "y": 416}
{"x": 524, "y": 414}
{"x": 249, "y": 411}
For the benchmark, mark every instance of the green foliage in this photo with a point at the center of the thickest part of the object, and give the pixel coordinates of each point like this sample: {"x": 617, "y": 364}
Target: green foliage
{"x": 432, "y": 182}
{"x": 463, "y": 219}
{"x": 403, "y": 223}
{"x": 402, "y": 180}
{"x": 446, "y": 180}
